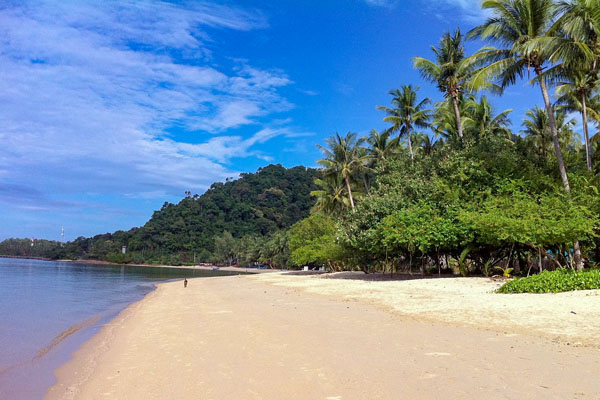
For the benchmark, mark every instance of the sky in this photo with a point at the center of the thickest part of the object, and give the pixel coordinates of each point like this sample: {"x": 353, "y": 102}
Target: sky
{"x": 110, "y": 108}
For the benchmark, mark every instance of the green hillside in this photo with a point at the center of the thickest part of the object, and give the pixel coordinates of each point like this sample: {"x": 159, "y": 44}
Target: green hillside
{"x": 257, "y": 204}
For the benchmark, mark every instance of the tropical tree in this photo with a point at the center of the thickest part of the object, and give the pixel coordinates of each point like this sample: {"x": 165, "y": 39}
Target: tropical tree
{"x": 345, "y": 158}
{"x": 575, "y": 94}
{"x": 481, "y": 121}
{"x": 406, "y": 113}
{"x": 381, "y": 146}
{"x": 521, "y": 28}
{"x": 424, "y": 143}
{"x": 332, "y": 196}
{"x": 580, "y": 22}
{"x": 450, "y": 70}
{"x": 444, "y": 119}
{"x": 537, "y": 129}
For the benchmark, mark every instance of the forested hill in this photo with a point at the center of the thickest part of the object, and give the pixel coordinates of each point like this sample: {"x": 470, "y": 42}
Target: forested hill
{"x": 273, "y": 198}
{"x": 257, "y": 204}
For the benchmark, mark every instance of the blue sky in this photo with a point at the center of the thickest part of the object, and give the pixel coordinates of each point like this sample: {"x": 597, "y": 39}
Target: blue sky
{"x": 111, "y": 108}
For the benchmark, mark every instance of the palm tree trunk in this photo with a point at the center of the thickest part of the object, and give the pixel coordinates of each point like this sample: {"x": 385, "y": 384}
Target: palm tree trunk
{"x": 457, "y": 115}
{"x": 588, "y": 154}
{"x": 410, "y": 149}
{"x": 349, "y": 192}
{"x": 559, "y": 157}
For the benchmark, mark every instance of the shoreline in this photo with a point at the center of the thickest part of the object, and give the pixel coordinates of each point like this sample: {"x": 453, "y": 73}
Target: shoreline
{"x": 194, "y": 267}
{"x": 228, "y": 337}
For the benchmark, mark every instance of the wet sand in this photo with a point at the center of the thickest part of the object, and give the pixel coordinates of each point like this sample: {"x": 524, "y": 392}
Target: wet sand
{"x": 274, "y": 336}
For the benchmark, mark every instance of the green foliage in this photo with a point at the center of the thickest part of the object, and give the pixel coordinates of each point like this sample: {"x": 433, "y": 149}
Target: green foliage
{"x": 224, "y": 248}
{"x": 259, "y": 204}
{"x": 539, "y": 220}
{"x": 462, "y": 264}
{"x": 313, "y": 241}
{"x": 561, "y": 280}
{"x": 421, "y": 227}
{"x": 118, "y": 258}
{"x": 477, "y": 197}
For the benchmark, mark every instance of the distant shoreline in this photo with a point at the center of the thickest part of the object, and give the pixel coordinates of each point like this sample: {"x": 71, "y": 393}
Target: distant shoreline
{"x": 194, "y": 267}
{"x": 29, "y": 258}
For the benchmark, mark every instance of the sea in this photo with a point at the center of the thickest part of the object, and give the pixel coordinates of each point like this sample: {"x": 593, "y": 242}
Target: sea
{"x": 48, "y": 309}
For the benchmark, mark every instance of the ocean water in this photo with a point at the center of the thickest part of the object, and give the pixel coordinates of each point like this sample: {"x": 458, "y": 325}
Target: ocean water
{"x": 48, "y": 309}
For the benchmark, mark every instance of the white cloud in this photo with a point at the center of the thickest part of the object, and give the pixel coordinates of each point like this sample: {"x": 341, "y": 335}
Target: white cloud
{"x": 467, "y": 10}
{"x": 90, "y": 90}
{"x": 381, "y": 3}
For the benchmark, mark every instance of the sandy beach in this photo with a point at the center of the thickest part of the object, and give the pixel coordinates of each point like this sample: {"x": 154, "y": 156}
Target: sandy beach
{"x": 277, "y": 336}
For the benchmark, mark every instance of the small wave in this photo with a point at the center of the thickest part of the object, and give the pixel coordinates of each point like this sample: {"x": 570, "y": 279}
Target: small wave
{"x": 66, "y": 333}
{"x": 59, "y": 338}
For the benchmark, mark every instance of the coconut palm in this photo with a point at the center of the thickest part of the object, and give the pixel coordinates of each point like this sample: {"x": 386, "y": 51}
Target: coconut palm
{"x": 579, "y": 22}
{"x": 345, "y": 158}
{"x": 481, "y": 121}
{"x": 450, "y": 71}
{"x": 332, "y": 196}
{"x": 537, "y": 130}
{"x": 423, "y": 143}
{"x": 407, "y": 112}
{"x": 521, "y": 27}
{"x": 381, "y": 147}
{"x": 575, "y": 94}
{"x": 444, "y": 119}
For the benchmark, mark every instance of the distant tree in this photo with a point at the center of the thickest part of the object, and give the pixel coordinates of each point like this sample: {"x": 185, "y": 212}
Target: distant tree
{"x": 406, "y": 113}
{"x": 344, "y": 158}
{"x": 451, "y": 71}
{"x": 381, "y": 147}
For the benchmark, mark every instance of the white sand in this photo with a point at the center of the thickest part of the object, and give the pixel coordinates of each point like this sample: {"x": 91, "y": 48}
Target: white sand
{"x": 295, "y": 337}
{"x": 571, "y": 317}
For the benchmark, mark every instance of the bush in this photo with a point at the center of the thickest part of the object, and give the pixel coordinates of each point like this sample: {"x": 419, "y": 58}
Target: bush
{"x": 561, "y": 280}
{"x": 118, "y": 258}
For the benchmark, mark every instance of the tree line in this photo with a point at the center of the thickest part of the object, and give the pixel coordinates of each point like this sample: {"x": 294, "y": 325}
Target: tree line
{"x": 451, "y": 186}
{"x": 448, "y": 186}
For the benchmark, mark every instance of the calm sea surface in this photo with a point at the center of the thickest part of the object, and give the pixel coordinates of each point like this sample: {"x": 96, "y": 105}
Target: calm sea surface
{"x": 48, "y": 309}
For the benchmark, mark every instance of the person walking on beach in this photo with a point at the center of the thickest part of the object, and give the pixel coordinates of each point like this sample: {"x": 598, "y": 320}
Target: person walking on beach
{"x": 185, "y": 283}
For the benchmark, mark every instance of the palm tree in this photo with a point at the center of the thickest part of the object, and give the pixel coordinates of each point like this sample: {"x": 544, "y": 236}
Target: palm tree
{"x": 444, "y": 119}
{"x": 423, "y": 143}
{"x": 481, "y": 121}
{"x": 406, "y": 113}
{"x": 332, "y": 197}
{"x": 521, "y": 27}
{"x": 450, "y": 70}
{"x": 345, "y": 158}
{"x": 579, "y": 21}
{"x": 537, "y": 129}
{"x": 381, "y": 146}
{"x": 575, "y": 94}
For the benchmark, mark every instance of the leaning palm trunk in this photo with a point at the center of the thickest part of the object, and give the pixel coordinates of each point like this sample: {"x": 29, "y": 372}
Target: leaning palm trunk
{"x": 588, "y": 154}
{"x": 410, "y": 149}
{"x": 559, "y": 157}
{"x": 457, "y": 115}
{"x": 349, "y": 192}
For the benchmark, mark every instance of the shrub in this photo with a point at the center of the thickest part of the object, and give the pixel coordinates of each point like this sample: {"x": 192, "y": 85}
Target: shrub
{"x": 118, "y": 258}
{"x": 561, "y": 280}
